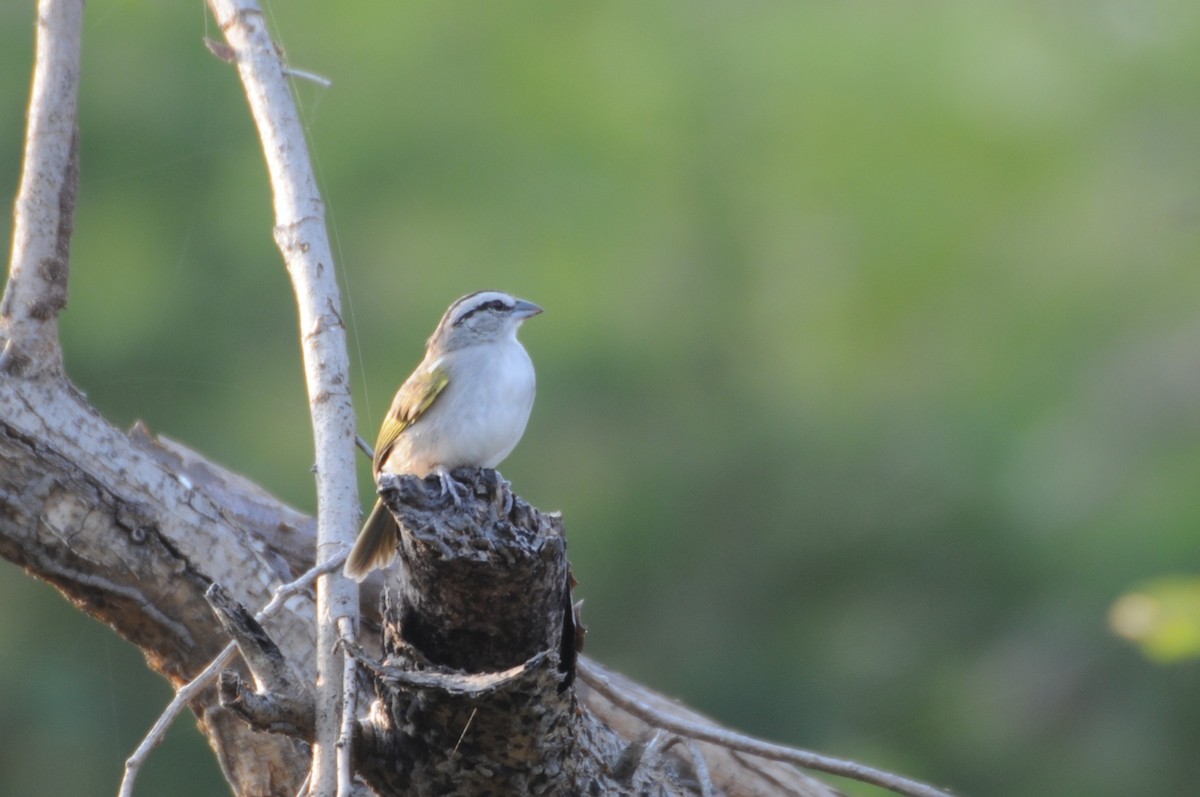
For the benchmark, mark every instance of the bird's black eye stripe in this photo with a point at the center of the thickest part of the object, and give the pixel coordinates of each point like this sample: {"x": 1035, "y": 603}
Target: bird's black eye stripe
{"x": 494, "y": 304}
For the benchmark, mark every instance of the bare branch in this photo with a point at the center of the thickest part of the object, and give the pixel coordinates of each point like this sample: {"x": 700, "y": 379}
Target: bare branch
{"x": 272, "y": 712}
{"x": 264, "y": 658}
{"x": 301, "y": 235}
{"x": 191, "y": 690}
{"x": 45, "y": 206}
{"x": 706, "y": 785}
{"x": 311, "y": 77}
{"x": 345, "y": 741}
{"x": 599, "y": 679}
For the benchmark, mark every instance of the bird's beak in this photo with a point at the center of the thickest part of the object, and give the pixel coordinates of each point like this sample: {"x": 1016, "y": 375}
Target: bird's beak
{"x": 524, "y": 309}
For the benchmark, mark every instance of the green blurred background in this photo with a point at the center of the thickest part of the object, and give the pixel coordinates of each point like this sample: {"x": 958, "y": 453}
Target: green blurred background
{"x": 868, "y": 376}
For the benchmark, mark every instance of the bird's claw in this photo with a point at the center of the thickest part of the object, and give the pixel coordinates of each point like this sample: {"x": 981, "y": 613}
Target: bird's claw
{"x": 449, "y": 485}
{"x": 504, "y": 487}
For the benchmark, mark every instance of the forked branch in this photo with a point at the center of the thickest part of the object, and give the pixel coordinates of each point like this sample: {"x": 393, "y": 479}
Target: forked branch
{"x": 192, "y": 689}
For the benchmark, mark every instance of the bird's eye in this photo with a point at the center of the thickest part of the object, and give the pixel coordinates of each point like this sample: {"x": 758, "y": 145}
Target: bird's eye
{"x": 498, "y": 305}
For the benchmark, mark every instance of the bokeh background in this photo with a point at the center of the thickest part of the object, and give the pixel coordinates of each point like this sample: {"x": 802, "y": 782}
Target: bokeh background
{"x": 869, "y": 374}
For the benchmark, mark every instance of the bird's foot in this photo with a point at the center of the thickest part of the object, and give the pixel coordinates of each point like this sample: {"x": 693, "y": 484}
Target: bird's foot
{"x": 449, "y": 485}
{"x": 504, "y": 488}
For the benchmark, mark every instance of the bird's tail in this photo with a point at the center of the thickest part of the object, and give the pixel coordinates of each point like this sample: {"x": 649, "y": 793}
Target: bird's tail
{"x": 376, "y": 544}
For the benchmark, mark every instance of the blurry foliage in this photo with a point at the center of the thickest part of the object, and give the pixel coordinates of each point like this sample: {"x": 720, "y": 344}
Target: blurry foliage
{"x": 868, "y": 376}
{"x": 1163, "y": 618}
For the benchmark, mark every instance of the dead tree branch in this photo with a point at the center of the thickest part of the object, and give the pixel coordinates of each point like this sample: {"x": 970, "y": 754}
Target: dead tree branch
{"x": 302, "y": 238}
{"x": 292, "y": 699}
{"x": 45, "y": 207}
{"x": 191, "y": 691}
{"x": 689, "y": 725}
{"x": 476, "y": 692}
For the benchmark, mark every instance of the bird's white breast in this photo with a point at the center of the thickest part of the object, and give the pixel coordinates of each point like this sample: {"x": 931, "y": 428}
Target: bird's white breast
{"x": 478, "y": 418}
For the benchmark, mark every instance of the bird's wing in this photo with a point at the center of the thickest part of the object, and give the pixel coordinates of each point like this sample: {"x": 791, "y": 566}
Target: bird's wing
{"x": 416, "y": 395}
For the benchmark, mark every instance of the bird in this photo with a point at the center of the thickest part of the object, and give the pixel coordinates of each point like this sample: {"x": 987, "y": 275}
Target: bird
{"x": 465, "y": 405}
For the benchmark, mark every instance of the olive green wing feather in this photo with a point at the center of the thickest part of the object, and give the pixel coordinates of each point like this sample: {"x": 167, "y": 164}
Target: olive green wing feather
{"x": 376, "y": 543}
{"x": 414, "y": 397}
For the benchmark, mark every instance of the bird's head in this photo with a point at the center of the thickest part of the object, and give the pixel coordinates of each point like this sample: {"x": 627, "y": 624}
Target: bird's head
{"x": 480, "y": 317}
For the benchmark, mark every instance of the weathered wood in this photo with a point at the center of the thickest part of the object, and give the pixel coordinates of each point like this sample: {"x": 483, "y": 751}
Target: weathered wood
{"x": 44, "y": 213}
{"x": 117, "y": 524}
{"x": 476, "y": 592}
{"x": 477, "y": 693}
{"x": 134, "y": 529}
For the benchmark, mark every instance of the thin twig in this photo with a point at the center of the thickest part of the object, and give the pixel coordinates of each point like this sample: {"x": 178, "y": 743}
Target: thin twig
{"x": 311, "y": 77}
{"x": 6, "y": 356}
{"x": 701, "y": 767}
{"x": 596, "y": 677}
{"x": 304, "y": 786}
{"x": 188, "y": 691}
{"x": 463, "y": 735}
{"x": 345, "y": 742}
